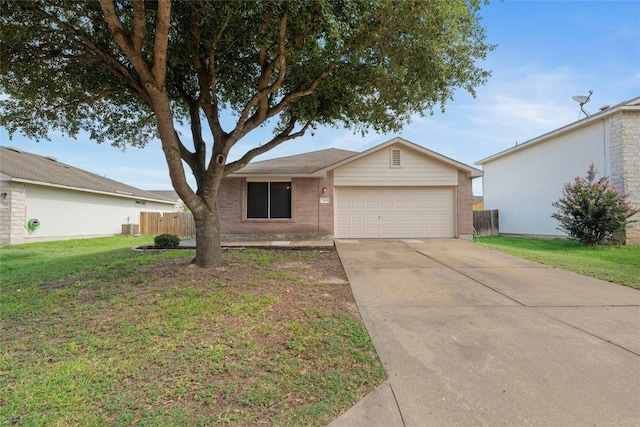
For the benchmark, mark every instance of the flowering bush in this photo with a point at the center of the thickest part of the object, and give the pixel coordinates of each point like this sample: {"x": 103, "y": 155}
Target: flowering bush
{"x": 592, "y": 211}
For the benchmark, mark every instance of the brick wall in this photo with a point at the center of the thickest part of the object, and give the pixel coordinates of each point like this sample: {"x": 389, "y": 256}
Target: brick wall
{"x": 12, "y": 213}
{"x": 625, "y": 163}
{"x": 309, "y": 218}
{"x": 465, "y": 206}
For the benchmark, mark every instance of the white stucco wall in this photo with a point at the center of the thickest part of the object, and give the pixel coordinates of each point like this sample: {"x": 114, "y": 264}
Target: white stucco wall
{"x": 523, "y": 184}
{"x": 67, "y": 214}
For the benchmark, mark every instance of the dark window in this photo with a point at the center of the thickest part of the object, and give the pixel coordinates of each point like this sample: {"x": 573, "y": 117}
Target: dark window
{"x": 268, "y": 200}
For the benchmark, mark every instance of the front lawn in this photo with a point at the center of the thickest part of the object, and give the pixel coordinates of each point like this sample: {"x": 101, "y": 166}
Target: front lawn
{"x": 618, "y": 264}
{"x": 94, "y": 333}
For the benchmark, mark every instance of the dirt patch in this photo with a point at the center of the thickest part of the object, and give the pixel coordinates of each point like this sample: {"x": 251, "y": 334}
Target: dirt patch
{"x": 300, "y": 278}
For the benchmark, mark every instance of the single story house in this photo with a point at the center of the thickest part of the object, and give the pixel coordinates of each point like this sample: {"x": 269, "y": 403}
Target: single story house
{"x": 523, "y": 181}
{"x": 394, "y": 190}
{"x": 42, "y": 199}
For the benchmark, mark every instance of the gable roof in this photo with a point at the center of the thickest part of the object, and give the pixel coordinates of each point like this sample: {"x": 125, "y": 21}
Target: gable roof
{"x": 631, "y": 105}
{"x": 471, "y": 171}
{"x": 318, "y": 163}
{"x": 21, "y": 166}
{"x": 297, "y": 165}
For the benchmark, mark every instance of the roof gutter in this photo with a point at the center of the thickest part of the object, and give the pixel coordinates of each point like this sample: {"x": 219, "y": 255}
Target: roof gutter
{"x": 87, "y": 190}
{"x": 561, "y": 131}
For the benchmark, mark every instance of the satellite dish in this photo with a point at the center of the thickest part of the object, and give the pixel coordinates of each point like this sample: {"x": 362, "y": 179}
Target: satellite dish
{"x": 582, "y": 100}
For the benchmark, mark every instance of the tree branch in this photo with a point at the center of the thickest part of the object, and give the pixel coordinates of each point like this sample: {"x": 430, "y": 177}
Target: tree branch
{"x": 124, "y": 42}
{"x": 206, "y": 83}
{"x": 261, "y": 98}
{"x": 87, "y": 100}
{"x": 255, "y": 120}
{"x": 283, "y": 136}
{"x": 111, "y": 63}
{"x": 139, "y": 25}
{"x": 161, "y": 42}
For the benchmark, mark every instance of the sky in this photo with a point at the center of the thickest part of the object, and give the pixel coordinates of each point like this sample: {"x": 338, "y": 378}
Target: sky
{"x": 547, "y": 52}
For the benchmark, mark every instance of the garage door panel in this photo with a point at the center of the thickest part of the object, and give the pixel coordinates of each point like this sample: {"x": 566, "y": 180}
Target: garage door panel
{"x": 372, "y": 232}
{"x": 387, "y": 232}
{"x": 395, "y": 212}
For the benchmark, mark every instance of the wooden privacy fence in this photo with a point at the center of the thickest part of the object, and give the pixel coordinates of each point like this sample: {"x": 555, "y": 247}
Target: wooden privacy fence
{"x": 486, "y": 223}
{"x": 179, "y": 223}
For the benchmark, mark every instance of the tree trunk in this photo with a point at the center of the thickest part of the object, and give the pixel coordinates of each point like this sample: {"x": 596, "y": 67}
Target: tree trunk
{"x": 208, "y": 249}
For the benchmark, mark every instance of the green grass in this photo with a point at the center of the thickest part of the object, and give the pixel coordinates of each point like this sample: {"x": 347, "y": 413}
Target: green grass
{"x": 52, "y": 260}
{"x": 618, "y": 264}
{"x": 96, "y": 334}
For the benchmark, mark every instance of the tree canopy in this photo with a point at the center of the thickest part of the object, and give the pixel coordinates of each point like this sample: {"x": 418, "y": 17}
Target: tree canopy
{"x": 132, "y": 70}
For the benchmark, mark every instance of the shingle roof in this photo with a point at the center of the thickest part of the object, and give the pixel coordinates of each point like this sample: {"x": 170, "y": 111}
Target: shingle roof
{"x": 300, "y": 164}
{"x": 166, "y": 194}
{"x": 28, "y": 167}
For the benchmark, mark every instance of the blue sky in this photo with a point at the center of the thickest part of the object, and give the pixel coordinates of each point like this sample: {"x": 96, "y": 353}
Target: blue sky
{"x": 547, "y": 52}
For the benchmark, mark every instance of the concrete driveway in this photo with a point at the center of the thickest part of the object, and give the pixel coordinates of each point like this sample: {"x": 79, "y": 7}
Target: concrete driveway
{"x": 473, "y": 337}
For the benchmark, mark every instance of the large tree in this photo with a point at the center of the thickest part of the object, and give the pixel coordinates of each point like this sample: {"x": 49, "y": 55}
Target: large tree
{"x": 133, "y": 70}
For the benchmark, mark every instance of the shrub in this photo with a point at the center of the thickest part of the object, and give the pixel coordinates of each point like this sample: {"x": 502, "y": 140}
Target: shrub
{"x": 592, "y": 211}
{"x": 167, "y": 241}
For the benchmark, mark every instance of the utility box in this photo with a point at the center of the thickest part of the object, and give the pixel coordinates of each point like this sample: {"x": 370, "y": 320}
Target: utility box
{"x": 130, "y": 229}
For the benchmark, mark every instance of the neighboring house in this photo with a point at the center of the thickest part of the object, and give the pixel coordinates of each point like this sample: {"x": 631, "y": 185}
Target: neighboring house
{"x": 170, "y": 195}
{"x": 478, "y": 203}
{"x": 523, "y": 182}
{"x": 394, "y": 190}
{"x": 67, "y": 202}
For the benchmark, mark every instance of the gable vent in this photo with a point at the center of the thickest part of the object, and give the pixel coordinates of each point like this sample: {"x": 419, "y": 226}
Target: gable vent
{"x": 395, "y": 158}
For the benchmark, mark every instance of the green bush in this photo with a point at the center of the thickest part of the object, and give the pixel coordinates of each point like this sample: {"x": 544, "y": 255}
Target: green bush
{"x": 592, "y": 211}
{"x": 167, "y": 241}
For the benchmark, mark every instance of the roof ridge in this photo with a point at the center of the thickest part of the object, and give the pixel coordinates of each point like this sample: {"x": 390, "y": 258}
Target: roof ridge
{"x": 306, "y": 154}
{"x": 47, "y": 170}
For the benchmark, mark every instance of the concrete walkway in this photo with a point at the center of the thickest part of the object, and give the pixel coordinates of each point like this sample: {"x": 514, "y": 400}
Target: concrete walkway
{"x": 474, "y": 337}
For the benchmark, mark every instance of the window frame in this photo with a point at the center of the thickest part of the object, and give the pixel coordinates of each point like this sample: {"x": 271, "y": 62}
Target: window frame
{"x": 269, "y": 200}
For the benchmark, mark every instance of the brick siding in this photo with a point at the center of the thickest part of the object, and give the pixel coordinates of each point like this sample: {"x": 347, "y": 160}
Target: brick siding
{"x": 309, "y": 218}
{"x": 624, "y": 151}
{"x": 12, "y": 213}
{"x": 465, "y": 205}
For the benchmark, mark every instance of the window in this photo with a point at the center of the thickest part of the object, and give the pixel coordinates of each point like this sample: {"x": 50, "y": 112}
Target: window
{"x": 269, "y": 200}
{"x": 395, "y": 158}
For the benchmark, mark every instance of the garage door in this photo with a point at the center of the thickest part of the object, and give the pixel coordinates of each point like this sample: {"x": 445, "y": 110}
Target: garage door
{"x": 395, "y": 212}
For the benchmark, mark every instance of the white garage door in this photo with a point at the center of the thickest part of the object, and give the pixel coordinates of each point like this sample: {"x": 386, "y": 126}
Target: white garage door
{"x": 395, "y": 212}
